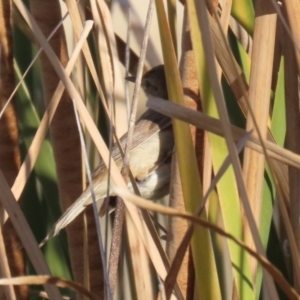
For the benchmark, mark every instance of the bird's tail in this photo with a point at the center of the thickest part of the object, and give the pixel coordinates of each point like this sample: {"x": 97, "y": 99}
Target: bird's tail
{"x": 69, "y": 215}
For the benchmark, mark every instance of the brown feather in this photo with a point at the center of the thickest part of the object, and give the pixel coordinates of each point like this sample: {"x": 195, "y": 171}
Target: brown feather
{"x": 151, "y": 152}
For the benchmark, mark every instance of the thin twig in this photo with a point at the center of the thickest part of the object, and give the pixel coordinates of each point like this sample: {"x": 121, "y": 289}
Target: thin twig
{"x": 185, "y": 242}
{"x": 127, "y": 61}
{"x": 31, "y": 64}
{"x": 120, "y": 208}
{"x": 95, "y": 209}
{"x": 220, "y": 103}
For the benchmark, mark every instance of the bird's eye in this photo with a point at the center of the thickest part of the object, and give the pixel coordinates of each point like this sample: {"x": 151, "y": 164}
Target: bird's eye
{"x": 147, "y": 84}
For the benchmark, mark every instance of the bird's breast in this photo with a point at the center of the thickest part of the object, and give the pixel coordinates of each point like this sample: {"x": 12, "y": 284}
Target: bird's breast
{"x": 150, "y": 164}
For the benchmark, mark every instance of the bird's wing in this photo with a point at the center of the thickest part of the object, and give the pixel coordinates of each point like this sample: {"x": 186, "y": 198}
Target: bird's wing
{"x": 149, "y": 123}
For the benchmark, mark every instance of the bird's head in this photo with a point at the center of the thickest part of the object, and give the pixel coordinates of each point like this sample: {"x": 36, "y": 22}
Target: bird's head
{"x": 154, "y": 82}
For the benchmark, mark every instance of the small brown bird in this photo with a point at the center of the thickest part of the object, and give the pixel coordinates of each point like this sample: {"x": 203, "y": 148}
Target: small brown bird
{"x": 150, "y": 156}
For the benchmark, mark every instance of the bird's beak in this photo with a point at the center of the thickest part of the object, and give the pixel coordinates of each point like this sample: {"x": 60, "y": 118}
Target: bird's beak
{"x": 130, "y": 78}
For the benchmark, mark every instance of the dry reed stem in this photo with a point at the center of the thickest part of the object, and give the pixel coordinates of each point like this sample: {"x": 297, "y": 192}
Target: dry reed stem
{"x": 34, "y": 149}
{"x": 49, "y": 280}
{"x": 259, "y": 98}
{"x": 213, "y": 125}
{"x": 86, "y": 118}
{"x": 25, "y": 234}
{"x": 267, "y": 265}
{"x": 293, "y": 14}
{"x": 293, "y": 127}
